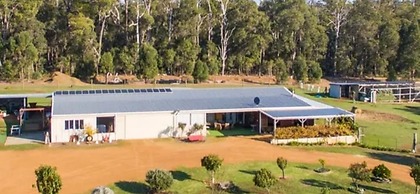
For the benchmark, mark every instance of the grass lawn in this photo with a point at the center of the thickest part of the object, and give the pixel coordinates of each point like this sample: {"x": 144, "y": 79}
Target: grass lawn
{"x": 381, "y": 132}
{"x": 300, "y": 178}
{"x": 232, "y": 132}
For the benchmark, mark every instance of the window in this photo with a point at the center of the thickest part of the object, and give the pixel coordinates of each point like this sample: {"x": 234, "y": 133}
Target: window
{"x": 73, "y": 124}
{"x": 66, "y": 125}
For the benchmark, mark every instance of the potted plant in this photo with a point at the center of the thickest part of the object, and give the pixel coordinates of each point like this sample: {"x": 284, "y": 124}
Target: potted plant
{"x": 89, "y": 131}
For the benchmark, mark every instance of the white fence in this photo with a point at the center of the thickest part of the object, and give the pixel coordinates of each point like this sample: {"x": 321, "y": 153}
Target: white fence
{"x": 327, "y": 140}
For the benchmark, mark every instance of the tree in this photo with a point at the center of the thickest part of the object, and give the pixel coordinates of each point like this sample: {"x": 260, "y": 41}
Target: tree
{"x": 359, "y": 172}
{"x": 201, "y": 71}
{"x": 415, "y": 174}
{"x": 337, "y": 12}
{"x": 381, "y": 171}
{"x": 282, "y": 164}
{"x": 107, "y": 62}
{"x": 212, "y": 164}
{"x": 148, "y": 62}
{"x": 47, "y": 180}
{"x": 225, "y": 33}
{"x": 159, "y": 180}
{"x": 264, "y": 179}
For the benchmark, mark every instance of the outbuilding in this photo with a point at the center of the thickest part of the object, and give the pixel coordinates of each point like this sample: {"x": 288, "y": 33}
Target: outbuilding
{"x": 159, "y": 112}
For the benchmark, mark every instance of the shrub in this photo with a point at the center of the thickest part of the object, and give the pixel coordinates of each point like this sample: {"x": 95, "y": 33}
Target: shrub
{"x": 359, "y": 172}
{"x": 322, "y": 162}
{"x": 415, "y": 174}
{"x": 325, "y": 190}
{"x": 282, "y": 164}
{"x": 211, "y": 163}
{"x": 312, "y": 131}
{"x": 159, "y": 180}
{"x": 381, "y": 171}
{"x": 48, "y": 181}
{"x": 264, "y": 179}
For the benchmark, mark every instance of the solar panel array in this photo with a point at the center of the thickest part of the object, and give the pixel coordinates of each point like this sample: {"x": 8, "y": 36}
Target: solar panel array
{"x": 113, "y": 91}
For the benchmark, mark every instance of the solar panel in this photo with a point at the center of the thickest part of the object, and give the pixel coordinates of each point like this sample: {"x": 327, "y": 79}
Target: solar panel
{"x": 113, "y": 91}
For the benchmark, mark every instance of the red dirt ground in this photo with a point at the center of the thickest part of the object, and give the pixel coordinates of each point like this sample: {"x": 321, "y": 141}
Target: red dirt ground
{"x": 85, "y": 167}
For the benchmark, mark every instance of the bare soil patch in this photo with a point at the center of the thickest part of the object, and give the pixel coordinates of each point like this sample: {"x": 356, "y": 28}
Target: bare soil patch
{"x": 58, "y": 78}
{"x": 86, "y": 167}
{"x": 379, "y": 116}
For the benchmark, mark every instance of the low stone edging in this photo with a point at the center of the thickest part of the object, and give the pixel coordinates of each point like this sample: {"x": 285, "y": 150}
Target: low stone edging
{"x": 328, "y": 140}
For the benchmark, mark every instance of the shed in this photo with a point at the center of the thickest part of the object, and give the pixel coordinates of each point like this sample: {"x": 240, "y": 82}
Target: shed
{"x": 157, "y": 112}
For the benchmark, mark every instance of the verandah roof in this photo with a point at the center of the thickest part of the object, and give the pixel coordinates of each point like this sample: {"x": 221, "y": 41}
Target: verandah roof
{"x": 310, "y": 113}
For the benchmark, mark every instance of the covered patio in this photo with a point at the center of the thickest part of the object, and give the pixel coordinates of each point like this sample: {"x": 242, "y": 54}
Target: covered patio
{"x": 286, "y": 118}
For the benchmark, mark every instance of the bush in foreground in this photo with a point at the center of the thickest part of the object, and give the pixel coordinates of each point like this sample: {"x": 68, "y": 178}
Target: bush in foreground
{"x": 282, "y": 164}
{"x": 48, "y": 181}
{"x": 381, "y": 171}
{"x": 264, "y": 179}
{"x": 211, "y": 163}
{"x": 415, "y": 174}
{"x": 159, "y": 180}
{"x": 359, "y": 172}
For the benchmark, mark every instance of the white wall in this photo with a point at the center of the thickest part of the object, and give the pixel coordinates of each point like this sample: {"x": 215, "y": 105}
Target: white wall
{"x": 190, "y": 119}
{"x": 131, "y": 126}
{"x": 335, "y": 91}
{"x": 59, "y": 134}
{"x": 148, "y": 125}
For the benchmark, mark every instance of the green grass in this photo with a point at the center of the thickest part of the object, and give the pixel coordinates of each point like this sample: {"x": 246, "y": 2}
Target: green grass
{"x": 300, "y": 178}
{"x": 232, "y": 132}
{"x": 3, "y": 132}
{"x": 383, "y": 132}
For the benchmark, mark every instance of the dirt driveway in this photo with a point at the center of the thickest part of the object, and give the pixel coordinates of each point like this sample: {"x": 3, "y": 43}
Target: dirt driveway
{"x": 83, "y": 168}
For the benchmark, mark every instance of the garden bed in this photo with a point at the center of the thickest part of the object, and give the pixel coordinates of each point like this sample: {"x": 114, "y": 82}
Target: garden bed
{"x": 348, "y": 139}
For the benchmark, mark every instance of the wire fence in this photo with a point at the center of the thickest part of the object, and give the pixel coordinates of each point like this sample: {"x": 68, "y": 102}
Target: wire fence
{"x": 403, "y": 144}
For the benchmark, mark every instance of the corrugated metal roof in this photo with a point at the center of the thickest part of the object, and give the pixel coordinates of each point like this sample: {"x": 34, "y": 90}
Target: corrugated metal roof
{"x": 310, "y": 113}
{"x": 375, "y": 83}
{"x": 33, "y": 95}
{"x": 178, "y": 99}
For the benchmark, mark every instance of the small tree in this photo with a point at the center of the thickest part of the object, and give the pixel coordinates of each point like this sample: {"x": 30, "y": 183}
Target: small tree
{"x": 415, "y": 174}
{"x": 48, "y": 181}
{"x": 282, "y": 164}
{"x": 322, "y": 162}
{"x": 264, "y": 179}
{"x": 381, "y": 171}
{"x": 359, "y": 172}
{"x": 211, "y": 163}
{"x": 159, "y": 180}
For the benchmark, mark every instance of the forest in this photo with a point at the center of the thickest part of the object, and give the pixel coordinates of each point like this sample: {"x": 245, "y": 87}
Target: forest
{"x": 303, "y": 39}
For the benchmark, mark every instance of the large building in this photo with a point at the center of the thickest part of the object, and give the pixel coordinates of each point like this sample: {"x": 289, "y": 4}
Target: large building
{"x": 154, "y": 113}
